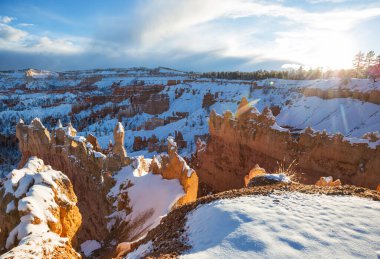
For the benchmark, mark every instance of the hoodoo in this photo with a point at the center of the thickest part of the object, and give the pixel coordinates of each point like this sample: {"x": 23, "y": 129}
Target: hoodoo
{"x": 251, "y": 137}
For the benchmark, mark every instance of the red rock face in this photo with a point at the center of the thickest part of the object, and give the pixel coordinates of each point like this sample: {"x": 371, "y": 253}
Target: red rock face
{"x": 372, "y": 96}
{"x": 85, "y": 169}
{"x": 236, "y": 144}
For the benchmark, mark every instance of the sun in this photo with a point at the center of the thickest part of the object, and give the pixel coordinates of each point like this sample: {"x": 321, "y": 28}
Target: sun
{"x": 333, "y": 51}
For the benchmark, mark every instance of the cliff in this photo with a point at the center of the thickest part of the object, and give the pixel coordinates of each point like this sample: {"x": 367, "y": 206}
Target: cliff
{"x": 94, "y": 172}
{"x": 38, "y": 213}
{"x": 238, "y": 142}
{"x": 173, "y": 166}
{"x": 87, "y": 169}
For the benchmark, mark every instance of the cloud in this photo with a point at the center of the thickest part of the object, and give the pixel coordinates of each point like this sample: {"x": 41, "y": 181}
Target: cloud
{"x": 214, "y": 34}
{"x": 26, "y": 24}
{"x": 6, "y": 19}
{"x": 291, "y": 66}
{"x": 11, "y": 34}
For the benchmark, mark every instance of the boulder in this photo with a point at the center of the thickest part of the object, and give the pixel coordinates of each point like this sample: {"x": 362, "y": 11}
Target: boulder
{"x": 257, "y": 170}
{"x": 328, "y": 181}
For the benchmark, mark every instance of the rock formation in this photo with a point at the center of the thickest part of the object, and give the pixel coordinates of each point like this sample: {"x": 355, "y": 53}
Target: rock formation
{"x": 38, "y": 213}
{"x": 372, "y": 96}
{"x": 91, "y": 171}
{"x": 257, "y": 170}
{"x": 239, "y": 142}
{"x": 87, "y": 169}
{"x": 328, "y": 181}
{"x": 173, "y": 166}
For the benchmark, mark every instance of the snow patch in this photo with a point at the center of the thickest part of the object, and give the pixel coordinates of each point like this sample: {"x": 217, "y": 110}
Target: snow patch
{"x": 293, "y": 225}
{"x": 89, "y": 246}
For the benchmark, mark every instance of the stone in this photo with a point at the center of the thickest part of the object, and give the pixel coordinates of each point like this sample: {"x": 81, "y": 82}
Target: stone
{"x": 237, "y": 144}
{"x": 328, "y": 181}
{"x": 257, "y": 170}
{"x": 118, "y": 135}
{"x": 67, "y": 218}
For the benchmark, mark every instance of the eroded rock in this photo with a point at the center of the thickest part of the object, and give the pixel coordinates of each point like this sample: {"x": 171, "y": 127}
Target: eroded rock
{"x": 38, "y": 215}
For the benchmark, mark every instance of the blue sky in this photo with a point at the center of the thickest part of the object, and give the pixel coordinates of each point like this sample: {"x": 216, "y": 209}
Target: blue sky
{"x": 199, "y": 35}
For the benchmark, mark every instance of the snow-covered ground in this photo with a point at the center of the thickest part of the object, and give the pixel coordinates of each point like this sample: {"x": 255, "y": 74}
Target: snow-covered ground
{"x": 49, "y": 102}
{"x": 150, "y": 197}
{"x": 291, "y": 225}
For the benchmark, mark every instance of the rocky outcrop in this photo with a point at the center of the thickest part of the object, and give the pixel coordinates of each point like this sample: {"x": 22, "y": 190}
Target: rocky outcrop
{"x": 208, "y": 100}
{"x": 88, "y": 169}
{"x": 257, "y": 170}
{"x": 372, "y": 96}
{"x": 328, "y": 181}
{"x": 173, "y": 166}
{"x": 38, "y": 213}
{"x": 93, "y": 173}
{"x": 239, "y": 142}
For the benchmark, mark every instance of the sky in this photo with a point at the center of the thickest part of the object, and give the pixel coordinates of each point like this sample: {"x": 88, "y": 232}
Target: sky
{"x": 192, "y": 35}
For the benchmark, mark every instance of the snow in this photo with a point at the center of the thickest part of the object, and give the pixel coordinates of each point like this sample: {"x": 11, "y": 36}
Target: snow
{"x": 10, "y": 207}
{"x": 277, "y": 177}
{"x": 79, "y": 138}
{"x": 141, "y": 251}
{"x": 290, "y": 225}
{"x": 120, "y": 128}
{"x": 150, "y": 196}
{"x": 89, "y": 246}
{"x": 34, "y": 183}
{"x": 99, "y": 154}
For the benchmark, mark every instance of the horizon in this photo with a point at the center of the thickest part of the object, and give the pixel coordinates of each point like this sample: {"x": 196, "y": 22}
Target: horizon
{"x": 195, "y": 35}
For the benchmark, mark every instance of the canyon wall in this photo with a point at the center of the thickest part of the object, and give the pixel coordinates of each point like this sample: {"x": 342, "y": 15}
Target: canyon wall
{"x": 38, "y": 213}
{"x": 238, "y": 142}
{"x": 88, "y": 170}
{"x": 91, "y": 169}
{"x": 372, "y": 96}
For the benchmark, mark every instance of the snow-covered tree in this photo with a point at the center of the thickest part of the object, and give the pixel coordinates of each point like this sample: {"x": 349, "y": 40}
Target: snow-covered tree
{"x": 374, "y": 72}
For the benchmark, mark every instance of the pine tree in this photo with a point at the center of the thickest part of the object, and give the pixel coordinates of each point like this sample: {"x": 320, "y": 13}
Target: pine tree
{"x": 370, "y": 59}
{"x": 358, "y": 62}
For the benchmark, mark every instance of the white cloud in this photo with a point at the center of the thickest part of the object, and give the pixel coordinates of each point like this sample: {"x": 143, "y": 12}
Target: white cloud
{"x": 6, "y": 19}
{"x": 26, "y": 24}
{"x": 291, "y": 66}
{"x": 9, "y": 33}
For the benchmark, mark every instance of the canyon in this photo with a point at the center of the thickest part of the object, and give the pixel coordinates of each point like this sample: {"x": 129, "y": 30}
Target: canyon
{"x": 140, "y": 145}
{"x": 250, "y": 137}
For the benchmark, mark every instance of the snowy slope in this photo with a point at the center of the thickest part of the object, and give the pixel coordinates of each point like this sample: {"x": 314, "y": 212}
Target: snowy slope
{"x": 51, "y": 98}
{"x": 291, "y": 225}
{"x": 150, "y": 197}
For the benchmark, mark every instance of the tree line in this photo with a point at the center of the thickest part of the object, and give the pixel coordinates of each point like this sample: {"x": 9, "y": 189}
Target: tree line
{"x": 365, "y": 65}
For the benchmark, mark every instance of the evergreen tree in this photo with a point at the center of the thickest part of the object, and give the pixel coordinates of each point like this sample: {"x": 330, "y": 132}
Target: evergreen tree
{"x": 358, "y": 63}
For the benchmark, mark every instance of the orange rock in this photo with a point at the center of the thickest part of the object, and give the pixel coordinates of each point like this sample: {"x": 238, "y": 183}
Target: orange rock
{"x": 173, "y": 166}
{"x": 237, "y": 143}
{"x": 257, "y": 170}
{"x": 378, "y": 188}
{"x": 328, "y": 181}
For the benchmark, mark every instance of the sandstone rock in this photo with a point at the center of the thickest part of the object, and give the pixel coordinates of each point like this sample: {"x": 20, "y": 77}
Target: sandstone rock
{"x": 236, "y": 144}
{"x": 118, "y": 135}
{"x": 85, "y": 167}
{"x": 257, "y": 170}
{"x": 378, "y": 188}
{"x": 173, "y": 166}
{"x": 47, "y": 205}
{"x": 268, "y": 179}
{"x": 94, "y": 142}
{"x": 328, "y": 181}
{"x": 208, "y": 100}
